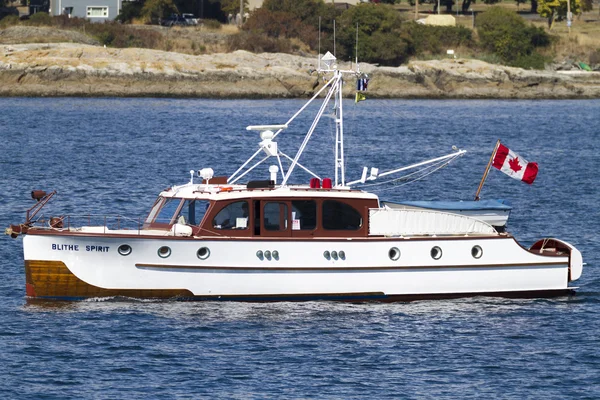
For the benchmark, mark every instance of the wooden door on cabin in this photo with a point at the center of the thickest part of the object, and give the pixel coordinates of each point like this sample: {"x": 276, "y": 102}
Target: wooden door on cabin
{"x": 271, "y": 218}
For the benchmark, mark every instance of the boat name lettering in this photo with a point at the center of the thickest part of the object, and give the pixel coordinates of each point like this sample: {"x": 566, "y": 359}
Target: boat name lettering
{"x": 68, "y": 247}
{"x": 102, "y": 249}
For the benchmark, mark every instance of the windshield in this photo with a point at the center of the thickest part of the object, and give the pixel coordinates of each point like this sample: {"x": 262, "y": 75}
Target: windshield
{"x": 165, "y": 215}
{"x": 192, "y": 212}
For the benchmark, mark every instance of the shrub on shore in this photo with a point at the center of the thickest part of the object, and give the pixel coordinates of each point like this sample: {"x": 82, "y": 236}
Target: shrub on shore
{"x": 9, "y": 20}
{"x": 435, "y": 40}
{"x": 108, "y": 33}
{"x": 506, "y": 34}
{"x": 212, "y": 24}
{"x": 258, "y": 43}
{"x": 40, "y": 19}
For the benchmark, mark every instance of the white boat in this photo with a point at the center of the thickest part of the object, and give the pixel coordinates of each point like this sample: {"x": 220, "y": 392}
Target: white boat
{"x": 494, "y": 212}
{"x": 214, "y": 238}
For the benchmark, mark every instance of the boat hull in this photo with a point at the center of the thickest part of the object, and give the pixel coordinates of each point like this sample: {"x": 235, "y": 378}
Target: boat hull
{"x": 87, "y": 266}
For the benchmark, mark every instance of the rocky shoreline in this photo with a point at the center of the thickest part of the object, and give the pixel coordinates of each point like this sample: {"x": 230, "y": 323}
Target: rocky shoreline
{"x": 72, "y": 69}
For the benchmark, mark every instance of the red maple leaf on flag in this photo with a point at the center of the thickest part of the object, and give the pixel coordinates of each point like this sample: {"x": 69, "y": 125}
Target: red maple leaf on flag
{"x": 514, "y": 164}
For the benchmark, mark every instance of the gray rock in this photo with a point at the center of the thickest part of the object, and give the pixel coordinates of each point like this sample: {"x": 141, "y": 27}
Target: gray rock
{"x": 72, "y": 69}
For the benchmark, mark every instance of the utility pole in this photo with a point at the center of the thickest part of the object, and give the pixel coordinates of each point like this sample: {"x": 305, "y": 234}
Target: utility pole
{"x": 241, "y": 13}
{"x": 417, "y": 10}
{"x": 569, "y": 16}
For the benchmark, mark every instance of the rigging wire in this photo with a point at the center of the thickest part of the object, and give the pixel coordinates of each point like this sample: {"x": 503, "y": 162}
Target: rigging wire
{"x": 418, "y": 175}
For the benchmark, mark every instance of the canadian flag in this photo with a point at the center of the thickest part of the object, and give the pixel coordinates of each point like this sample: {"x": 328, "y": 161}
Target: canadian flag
{"x": 514, "y": 165}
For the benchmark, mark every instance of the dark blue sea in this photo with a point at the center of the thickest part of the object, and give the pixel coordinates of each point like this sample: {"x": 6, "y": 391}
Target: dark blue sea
{"x": 113, "y": 156}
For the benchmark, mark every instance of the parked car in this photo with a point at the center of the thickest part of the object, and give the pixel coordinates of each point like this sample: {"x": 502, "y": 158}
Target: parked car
{"x": 190, "y": 19}
{"x": 174, "y": 19}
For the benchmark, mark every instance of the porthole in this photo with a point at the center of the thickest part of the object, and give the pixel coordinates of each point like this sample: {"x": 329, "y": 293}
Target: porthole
{"x": 124, "y": 249}
{"x": 275, "y": 254}
{"x": 476, "y": 251}
{"x": 164, "y": 251}
{"x": 203, "y": 253}
{"x": 342, "y": 255}
{"x": 326, "y": 254}
{"x": 334, "y": 255}
{"x": 268, "y": 255}
{"x": 394, "y": 253}
{"x": 260, "y": 254}
{"x": 436, "y": 253}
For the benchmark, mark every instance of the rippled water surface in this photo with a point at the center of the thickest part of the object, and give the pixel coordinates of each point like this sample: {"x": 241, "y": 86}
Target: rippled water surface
{"x": 108, "y": 156}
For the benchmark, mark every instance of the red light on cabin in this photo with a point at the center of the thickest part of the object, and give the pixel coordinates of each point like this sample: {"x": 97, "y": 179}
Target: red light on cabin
{"x": 326, "y": 183}
{"x": 315, "y": 183}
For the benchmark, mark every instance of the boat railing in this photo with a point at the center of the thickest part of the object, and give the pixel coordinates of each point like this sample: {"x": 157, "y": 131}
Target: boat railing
{"x": 118, "y": 224}
{"x": 90, "y": 223}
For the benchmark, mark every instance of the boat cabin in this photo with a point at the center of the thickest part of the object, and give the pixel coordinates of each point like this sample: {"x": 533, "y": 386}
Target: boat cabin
{"x": 263, "y": 212}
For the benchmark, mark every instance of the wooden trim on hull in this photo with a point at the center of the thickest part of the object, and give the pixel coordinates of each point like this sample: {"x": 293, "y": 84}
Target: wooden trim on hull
{"x": 53, "y": 280}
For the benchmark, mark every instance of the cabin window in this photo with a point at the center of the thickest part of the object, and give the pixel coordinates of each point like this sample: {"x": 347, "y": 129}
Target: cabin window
{"x": 192, "y": 212}
{"x": 275, "y": 216}
{"x": 340, "y": 216}
{"x": 232, "y": 216}
{"x": 97, "y": 12}
{"x": 304, "y": 214}
{"x": 166, "y": 213}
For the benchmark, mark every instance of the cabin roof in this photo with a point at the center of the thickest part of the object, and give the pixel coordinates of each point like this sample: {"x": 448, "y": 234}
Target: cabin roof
{"x": 232, "y": 192}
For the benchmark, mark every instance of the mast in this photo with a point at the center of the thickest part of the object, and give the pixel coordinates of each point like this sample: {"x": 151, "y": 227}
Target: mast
{"x": 340, "y": 178}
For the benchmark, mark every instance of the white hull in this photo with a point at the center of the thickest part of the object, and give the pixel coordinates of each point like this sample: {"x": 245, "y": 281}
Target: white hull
{"x": 234, "y": 270}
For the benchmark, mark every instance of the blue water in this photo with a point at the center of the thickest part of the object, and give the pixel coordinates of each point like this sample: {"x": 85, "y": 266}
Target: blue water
{"x": 108, "y": 156}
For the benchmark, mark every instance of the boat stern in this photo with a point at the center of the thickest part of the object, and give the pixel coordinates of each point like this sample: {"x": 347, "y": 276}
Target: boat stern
{"x": 551, "y": 246}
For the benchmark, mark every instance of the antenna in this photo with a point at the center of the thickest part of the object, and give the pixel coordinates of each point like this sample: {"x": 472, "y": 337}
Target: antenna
{"x": 356, "y": 44}
{"x": 334, "y": 37}
{"x": 319, "y": 62}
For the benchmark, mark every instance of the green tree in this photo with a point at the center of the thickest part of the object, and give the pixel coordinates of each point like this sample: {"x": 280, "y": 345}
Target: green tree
{"x": 506, "y": 34}
{"x": 380, "y": 39}
{"x": 431, "y": 39}
{"x": 233, "y": 6}
{"x": 154, "y": 10}
{"x": 557, "y": 9}
{"x": 130, "y": 11}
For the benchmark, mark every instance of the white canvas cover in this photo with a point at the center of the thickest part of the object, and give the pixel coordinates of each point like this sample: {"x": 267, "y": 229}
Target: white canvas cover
{"x": 391, "y": 222}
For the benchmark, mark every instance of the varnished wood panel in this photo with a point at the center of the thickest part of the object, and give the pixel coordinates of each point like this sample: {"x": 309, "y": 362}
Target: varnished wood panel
{"x": 53, "y": 279}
